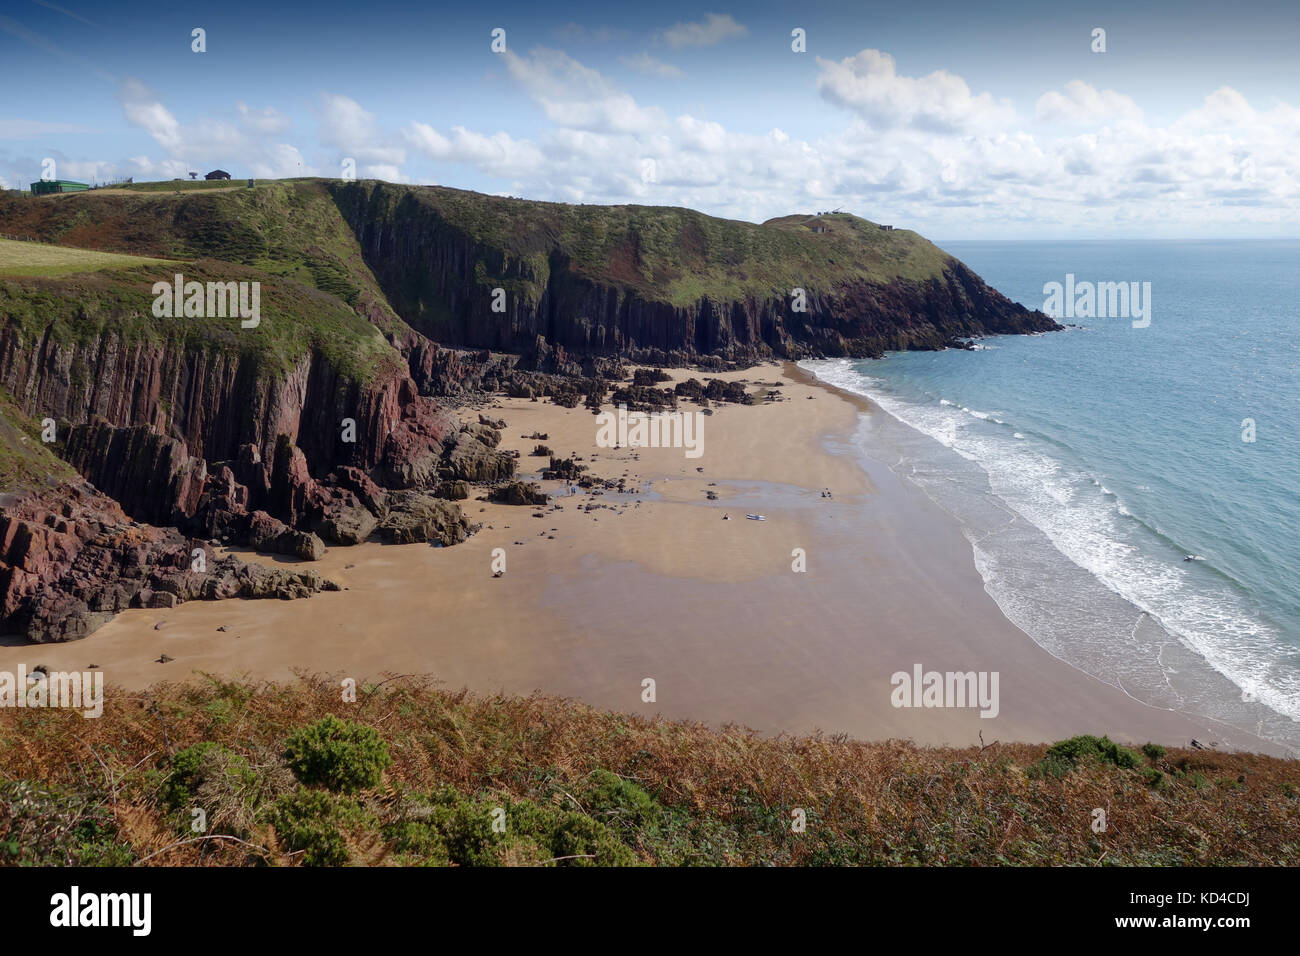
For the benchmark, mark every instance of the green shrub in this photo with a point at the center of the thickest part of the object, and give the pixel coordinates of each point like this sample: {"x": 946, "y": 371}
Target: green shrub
{"x": 339, "y": 754}
{"x": 1154, "y": 752}
{"x": 201, "y": 764}
{"x": 1065, "y": 755}
{"x": 447, "y": 827}
{"x": 315, "y": 823}
{"x": 1053, "y": 765}
{"x": 619, "y": 802}
{"x": 222, "y": 783}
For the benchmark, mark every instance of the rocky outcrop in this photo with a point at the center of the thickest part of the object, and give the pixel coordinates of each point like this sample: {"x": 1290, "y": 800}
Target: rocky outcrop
{"x": 519, "y": 493}
{"x": 272, "y": 536}
{"x": 417, "y": 517}
{"x": 470, "y": 455}
{"x": 70, "y": 559}
{"x": 154, "y": 478}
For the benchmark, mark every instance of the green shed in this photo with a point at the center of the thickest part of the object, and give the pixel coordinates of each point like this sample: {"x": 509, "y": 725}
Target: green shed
{"x": 43, "y": 186}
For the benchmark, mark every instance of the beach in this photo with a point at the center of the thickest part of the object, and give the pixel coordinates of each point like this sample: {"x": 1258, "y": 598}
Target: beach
{"x": 602, "y": 592}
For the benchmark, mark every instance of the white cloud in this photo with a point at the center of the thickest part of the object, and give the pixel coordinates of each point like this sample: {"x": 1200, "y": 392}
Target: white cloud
{"x": 499, "y": 153}
{"x": 1083, "y": 104}
{"x": 714, "y": 28}
{"x": 941, "y": 102}
{"x": 645, "y": 63}
{"x": 243, "y": 144}
{"x": 143, "y": 109}
{"x": 924, "y": 152}
{"x": 576, "y": 96}
{"x": 1224, "y": 107}
{"x": 266, "y": 120}
{"x": 353, "y": 131}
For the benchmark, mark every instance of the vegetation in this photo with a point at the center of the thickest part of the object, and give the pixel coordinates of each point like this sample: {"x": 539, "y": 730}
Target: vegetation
{"x": 663, "y": 253}
{"x": 43, "y": 259}
{"x": 296, "y": 318}
{"x": 286, "y": 774}
{"x": 26, "y": 462}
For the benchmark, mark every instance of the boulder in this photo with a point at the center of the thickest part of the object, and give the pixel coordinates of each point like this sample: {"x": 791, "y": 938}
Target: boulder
{"x": 414, "y": 516}
{"x": 519, "y": 493}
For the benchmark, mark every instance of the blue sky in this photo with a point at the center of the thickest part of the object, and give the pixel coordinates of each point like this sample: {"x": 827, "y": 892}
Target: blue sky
{"x": 960, "y": 120}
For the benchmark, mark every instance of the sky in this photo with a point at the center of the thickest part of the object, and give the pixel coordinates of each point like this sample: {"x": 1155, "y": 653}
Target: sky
{"x": 996, "y": 120}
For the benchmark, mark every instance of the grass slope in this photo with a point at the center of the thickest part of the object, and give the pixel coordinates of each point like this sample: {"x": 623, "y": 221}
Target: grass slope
{"x": 43, "y": 259}
{"x": 673, "y": 254}
{"x": 287, "y": 236}
{"x": 289, "y": 229}
{"x": 295, "y": 318}
{"x": 26, "y": 463}
{"x": 414, "y": 775}
{"x": 662, "y": 253}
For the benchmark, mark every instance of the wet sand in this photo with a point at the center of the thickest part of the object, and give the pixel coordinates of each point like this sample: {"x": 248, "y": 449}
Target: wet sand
{"x": 654, "y": 584}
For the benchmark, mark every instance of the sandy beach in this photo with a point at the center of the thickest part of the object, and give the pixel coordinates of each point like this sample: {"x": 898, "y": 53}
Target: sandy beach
{"x": 604, "y": 591}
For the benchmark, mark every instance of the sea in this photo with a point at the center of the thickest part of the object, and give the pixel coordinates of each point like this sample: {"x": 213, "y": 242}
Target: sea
{"x": 1086, "y": 467}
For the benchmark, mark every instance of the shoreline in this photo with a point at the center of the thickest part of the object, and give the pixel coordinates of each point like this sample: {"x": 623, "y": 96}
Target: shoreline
{"x": 712, "y": 611}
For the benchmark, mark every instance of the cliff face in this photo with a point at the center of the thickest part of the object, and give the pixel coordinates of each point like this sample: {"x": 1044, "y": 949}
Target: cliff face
{"x": 438, "y": 257}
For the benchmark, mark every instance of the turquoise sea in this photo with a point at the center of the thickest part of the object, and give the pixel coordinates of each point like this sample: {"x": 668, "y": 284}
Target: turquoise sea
{"x": 1086, "y": 465}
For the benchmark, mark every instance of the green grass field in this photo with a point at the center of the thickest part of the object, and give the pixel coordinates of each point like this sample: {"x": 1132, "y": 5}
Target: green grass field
{"x": 43, "y": 259}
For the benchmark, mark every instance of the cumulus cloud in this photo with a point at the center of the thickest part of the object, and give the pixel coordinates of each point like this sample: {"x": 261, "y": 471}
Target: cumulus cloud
{"x": 714, "y": 28}
{"x": 1081, "y": 103}
{"x": 350, "y": 129}
{"x": 1224, "y": 107}
{"x": 576, "y": 96}
{"x": 143, "y": 109}
{"x": 499, "y": 153}
{"x": 869, "y": 84}
{"x": 924, "y": 151}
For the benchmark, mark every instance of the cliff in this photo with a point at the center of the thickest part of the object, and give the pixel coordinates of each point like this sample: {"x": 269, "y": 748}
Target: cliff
{"x": 70, "y": 558}
{"x": 663, "y": 284}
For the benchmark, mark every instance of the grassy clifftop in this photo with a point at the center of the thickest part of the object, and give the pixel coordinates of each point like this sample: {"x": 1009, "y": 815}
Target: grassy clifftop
{"x": 81, "y": 280}
{"x": 288, "y": 774}
{"x": 295, "y": 318}
{"x": 673, "y": 254}
{"x": 664, "y": 253}
{"x": 283, "y": 229}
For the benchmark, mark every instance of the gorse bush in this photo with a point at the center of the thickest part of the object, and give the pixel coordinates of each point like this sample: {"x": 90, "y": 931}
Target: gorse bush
{"x": 446, "y": 827}
{"x": 1154, "y": 752}
{"x": 316, "y": 824}
{"x": 224, "y": 784}
{"x": 1064, "y": 755}
{"x": 338, "y": 754}
{"x": 200, "y": 764}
